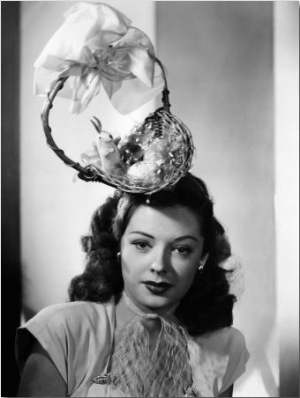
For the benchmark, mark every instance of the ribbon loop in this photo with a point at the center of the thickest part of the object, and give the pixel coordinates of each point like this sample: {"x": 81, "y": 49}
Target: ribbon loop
{"x": 97, "y": 46}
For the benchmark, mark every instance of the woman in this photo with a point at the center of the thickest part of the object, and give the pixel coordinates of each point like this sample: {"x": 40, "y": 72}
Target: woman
{"x": 151, "y": 314}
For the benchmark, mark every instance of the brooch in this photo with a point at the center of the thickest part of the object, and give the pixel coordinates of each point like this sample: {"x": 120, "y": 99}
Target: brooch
{"x": 105, "y": 379}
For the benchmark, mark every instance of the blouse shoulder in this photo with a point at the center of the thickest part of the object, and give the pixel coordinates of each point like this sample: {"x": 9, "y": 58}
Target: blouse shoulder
{"x": 224, "y": 341}
{"x": 68, "y": 314}
{"x": 222, "y": 357}
{"x": 66, "y": 318}
{"x": 70, "y": 333}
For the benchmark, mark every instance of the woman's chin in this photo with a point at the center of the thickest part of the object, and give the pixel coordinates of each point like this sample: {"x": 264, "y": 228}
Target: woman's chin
{"x": 157, "y": 304}
{"x": 148, "y": 301}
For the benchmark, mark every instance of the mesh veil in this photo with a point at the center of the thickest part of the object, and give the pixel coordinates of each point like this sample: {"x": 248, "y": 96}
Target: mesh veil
{"x": 164, "y": 372}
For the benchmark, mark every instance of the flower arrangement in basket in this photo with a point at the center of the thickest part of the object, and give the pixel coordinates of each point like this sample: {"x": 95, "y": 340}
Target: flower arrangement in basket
{"x": 97, "y": 46}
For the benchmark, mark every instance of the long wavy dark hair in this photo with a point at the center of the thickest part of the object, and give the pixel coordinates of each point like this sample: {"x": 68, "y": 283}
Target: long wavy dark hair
{"x": 208, "y": 305}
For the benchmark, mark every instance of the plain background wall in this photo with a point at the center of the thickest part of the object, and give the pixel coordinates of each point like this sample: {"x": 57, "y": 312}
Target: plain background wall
{"x": 219, "y": 58}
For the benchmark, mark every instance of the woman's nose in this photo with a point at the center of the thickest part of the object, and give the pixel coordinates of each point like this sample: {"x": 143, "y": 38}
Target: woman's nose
{"x": 161, "y": 263}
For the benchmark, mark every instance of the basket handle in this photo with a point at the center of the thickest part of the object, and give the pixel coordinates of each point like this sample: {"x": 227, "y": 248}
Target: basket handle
{"x": 165, "y": 92}
{"x": 85, "y": 173}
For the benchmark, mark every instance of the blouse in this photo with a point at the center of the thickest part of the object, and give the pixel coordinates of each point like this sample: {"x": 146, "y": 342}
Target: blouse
{"x": 78, "y": 337}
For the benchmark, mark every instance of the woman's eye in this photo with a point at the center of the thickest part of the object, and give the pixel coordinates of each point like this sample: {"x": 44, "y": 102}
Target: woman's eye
{"x": 141, "y": 245}
{"x": 182, "y": 250}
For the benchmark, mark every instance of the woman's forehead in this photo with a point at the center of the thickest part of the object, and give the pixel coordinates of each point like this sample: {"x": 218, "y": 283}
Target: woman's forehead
{"x": 175, "y": 220}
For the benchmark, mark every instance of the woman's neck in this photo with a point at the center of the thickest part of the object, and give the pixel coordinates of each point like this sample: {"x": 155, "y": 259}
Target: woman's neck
{"x": 144, "y": 312}
{"x": 127, "y": 310}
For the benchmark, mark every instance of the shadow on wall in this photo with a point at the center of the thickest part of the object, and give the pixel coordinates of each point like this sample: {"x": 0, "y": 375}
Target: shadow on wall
{"x": 10, "y": 196}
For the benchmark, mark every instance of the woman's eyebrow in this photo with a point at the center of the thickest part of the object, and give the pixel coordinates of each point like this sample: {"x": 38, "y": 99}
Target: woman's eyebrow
{"x": 142, "y": 233}
{"x": 175, "y": 240}
{"x": 186, "y": 237}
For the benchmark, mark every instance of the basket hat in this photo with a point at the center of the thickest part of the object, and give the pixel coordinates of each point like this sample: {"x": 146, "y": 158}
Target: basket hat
{"x": 96, "y": 47}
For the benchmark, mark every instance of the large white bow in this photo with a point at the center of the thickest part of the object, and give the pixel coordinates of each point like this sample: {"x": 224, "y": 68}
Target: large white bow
{"x": 96, "y": 45}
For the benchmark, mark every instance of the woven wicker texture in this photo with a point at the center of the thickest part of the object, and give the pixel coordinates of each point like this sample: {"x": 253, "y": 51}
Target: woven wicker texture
{"x": 165, "y": 142}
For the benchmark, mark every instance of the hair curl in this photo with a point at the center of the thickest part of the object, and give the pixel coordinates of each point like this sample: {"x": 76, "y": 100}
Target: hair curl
{"x": 208, "y": 305}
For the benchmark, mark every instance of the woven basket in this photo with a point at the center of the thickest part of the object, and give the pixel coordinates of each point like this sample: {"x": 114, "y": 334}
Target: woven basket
{"x": 160, "y": 122}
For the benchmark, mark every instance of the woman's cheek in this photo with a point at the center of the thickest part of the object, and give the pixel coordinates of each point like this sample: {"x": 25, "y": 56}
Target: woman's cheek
{"x": 188, "y": 276}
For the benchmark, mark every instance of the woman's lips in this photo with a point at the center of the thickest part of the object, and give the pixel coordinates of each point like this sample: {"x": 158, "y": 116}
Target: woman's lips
{"x": 157, "y": 287}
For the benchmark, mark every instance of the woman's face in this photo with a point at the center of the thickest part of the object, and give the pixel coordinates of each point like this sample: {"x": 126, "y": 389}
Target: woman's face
{"x": 160, "y": 252}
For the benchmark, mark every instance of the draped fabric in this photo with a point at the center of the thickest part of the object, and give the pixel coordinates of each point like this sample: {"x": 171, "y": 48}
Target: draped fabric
{"x": 164, "y": 371}
{"x": 97, "y": 47}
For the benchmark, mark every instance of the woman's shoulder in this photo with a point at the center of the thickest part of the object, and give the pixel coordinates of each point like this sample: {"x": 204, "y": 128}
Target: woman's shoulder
{"x": 77, "y": 336}
{"x": 221, "y": 355}
{"x": 71, "y": 308}
{"x": 222, "y": 341}
{"x": 73, "y": 312}
{"x": 66, "y": 327}
{"x": 71, "y": 318}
